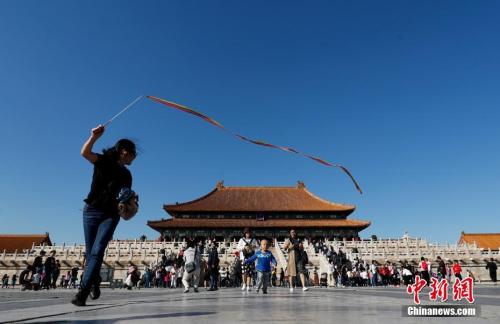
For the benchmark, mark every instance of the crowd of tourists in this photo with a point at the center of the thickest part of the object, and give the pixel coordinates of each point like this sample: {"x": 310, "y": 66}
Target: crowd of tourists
{"x": 43, "y": 273}
{"x": 253, "y": 266}
{"x": 197, "y": 264}
{"x": 345, "y": 272}
{"x": 189, "y": 269}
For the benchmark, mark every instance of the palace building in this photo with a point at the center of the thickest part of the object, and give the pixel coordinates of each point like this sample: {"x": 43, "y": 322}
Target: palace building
{"x": 10, "y": 243}
{"x": 268, "y": 211}
{"x": 486, "y": 241}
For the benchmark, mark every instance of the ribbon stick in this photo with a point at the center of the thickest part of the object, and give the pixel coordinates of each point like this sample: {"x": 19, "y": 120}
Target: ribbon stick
{"x": 123, "y": 110}
{"x": 256, "y": 142}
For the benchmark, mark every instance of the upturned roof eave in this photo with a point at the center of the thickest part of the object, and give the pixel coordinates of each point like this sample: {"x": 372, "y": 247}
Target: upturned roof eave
{"x": 325, "y": 206}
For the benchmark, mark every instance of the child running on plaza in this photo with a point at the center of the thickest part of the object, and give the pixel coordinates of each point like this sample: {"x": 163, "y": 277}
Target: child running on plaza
{"x": 265, "y": 260}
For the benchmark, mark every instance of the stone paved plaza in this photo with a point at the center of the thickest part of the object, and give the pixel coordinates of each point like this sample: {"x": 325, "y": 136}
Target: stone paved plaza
{"x": 332, "y": 305}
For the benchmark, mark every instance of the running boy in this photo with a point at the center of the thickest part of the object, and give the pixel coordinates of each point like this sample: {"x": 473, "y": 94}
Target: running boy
{"x": 264, "y": 261}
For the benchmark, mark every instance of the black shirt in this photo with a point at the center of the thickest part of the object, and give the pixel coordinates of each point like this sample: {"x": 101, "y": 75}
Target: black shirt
{"x": 492, "y": 266}
{"x": 38, "y": 262}
{"x": 23, "y": 277}
{"x": 50, "y": 264}
{"x": 108, "y": 179}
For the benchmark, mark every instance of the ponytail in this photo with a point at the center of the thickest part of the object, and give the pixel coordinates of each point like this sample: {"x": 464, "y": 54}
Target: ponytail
{"x": 113, "y": 153}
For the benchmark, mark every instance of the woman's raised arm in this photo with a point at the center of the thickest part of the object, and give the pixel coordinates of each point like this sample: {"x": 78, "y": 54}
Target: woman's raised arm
{"x": 86, "y": 150}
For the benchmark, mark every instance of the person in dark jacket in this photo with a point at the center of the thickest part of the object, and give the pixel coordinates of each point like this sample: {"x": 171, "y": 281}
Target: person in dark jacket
{"x": 14, "y": 280}
{"x": 492, "y": 267}
{"x": 25, "y": 278}
{"x": 441, "y": 268}
{"x": 50, "y": 266}
{"x": 38, "y": 262}
{"x": 55, "y": 274}
{"x": 5, "y": 281}
{"x": 236, "y": 270}
{"x": 213, "y": 266}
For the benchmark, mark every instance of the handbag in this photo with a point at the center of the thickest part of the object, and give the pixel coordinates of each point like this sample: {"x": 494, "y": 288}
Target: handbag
{"x": 190, "y": 267}
{"x": 128, "y": 203}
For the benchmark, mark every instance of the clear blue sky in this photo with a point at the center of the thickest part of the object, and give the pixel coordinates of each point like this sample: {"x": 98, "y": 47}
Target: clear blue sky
{"x": 404, "y": 93}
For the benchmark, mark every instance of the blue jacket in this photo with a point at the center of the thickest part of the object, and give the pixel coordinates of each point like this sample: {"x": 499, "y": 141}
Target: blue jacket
{"x": 213, "y": 259}
{"x": 264, "y": 260}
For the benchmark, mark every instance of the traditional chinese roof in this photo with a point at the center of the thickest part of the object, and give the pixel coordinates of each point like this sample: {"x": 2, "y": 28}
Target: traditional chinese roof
{"x": 260, "y": 199}
{"x": 20, "y": 242}
{"x": 482, "y": 240}
{"x": 253, "y": 223}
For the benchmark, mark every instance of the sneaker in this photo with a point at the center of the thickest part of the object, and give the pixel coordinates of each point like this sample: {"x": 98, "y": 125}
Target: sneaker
{"x": 291, "y": 290}
{"x": 249, "y": 288}
{"x": 256, "y": 291}
{"x": 305, "y": 289}
{"x": 195, "y": 289}
{"x": 95, "y": 291}
{"x": 186, "y": 290}
{"x": 244, "y": 287}
{"x": 264, "y": 292}
{"x": 79, "y": 299}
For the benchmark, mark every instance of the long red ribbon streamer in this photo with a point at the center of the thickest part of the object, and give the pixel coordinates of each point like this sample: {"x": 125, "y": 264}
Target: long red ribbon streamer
{"x": 256, "y": 142}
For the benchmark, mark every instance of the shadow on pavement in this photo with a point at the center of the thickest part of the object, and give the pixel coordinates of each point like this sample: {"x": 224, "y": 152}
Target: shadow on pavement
{"x": 141, "y": 317}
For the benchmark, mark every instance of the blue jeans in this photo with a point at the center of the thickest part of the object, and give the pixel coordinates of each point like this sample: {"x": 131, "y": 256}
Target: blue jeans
{"x": 98, "y": 228}
{"x": 213, "y": 279}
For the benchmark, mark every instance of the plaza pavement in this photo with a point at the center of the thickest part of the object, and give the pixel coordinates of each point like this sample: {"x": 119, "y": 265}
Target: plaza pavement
{"x": 230, "y": 305}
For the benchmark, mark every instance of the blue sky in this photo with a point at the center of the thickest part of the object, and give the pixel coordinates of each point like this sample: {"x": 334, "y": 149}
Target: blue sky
{"x": 404, "y": 93}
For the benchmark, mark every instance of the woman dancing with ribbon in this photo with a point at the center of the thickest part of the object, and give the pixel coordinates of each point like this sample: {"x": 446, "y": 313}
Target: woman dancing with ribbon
{"x": 109, "y": 198}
